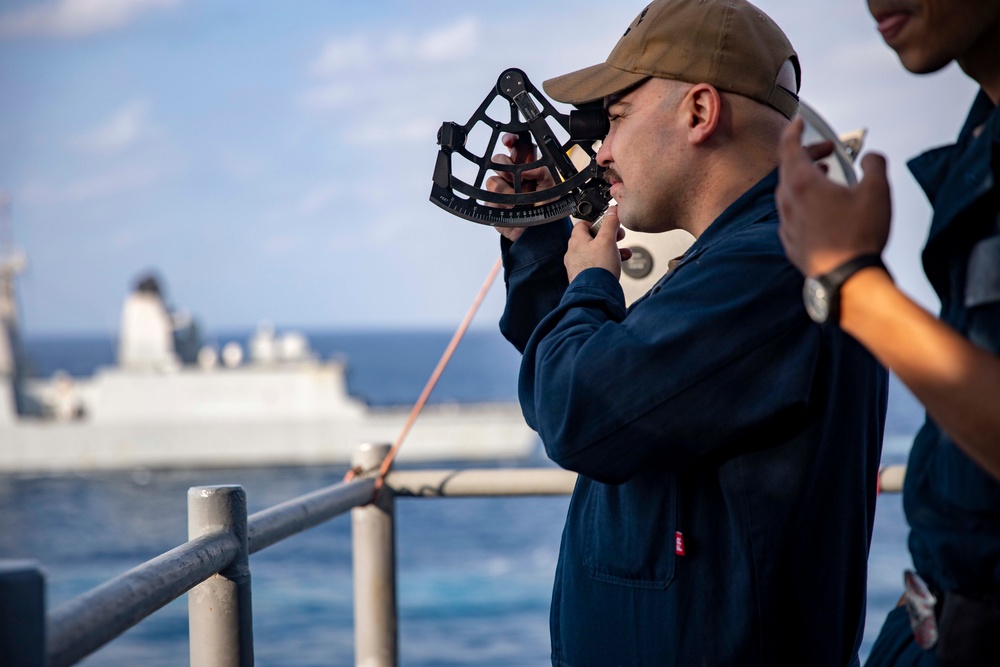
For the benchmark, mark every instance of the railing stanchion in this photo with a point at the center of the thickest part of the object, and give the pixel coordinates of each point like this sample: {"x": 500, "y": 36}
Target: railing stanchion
{"x": 219, "y": 609}
{"x": 22, "y": 614}
{"x": 374, "y": 554}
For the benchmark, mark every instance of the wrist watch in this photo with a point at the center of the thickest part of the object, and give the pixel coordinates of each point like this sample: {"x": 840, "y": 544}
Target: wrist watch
{"x": 821, "y": 294}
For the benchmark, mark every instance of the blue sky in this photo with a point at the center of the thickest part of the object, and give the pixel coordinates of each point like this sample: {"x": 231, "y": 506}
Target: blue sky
{"x": 272, "y": 160}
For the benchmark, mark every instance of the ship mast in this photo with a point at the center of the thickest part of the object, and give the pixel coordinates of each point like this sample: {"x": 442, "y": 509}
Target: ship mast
{"x": 12, "y": 263}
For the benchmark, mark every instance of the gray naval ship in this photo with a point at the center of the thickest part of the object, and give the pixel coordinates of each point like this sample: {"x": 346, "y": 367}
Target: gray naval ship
{"x": 168, "y": 403}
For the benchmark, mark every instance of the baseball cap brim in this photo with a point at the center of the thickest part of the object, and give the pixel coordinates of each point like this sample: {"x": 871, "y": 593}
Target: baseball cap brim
{"x": 591, "y": 84}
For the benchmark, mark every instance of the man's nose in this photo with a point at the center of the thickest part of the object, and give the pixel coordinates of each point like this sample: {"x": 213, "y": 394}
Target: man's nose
{"x": 604, "y": 158}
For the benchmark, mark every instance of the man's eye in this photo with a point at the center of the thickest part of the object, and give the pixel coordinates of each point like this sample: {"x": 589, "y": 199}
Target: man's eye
{"x": 613, "y": 117}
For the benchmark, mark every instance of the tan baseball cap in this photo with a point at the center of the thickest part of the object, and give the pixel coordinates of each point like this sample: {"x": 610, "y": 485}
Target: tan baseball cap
{"x": 729, "y": 44}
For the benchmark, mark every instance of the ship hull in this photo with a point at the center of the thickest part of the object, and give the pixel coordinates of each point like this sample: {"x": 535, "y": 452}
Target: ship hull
{"x": 298, "y": 414}
{"x": 443, "y": 433}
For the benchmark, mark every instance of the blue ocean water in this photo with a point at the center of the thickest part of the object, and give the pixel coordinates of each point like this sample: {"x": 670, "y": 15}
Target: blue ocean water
{"x": 474, "y": 574}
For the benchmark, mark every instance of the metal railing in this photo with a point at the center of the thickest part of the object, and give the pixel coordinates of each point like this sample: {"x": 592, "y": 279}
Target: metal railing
{"x": 213, "y": 567}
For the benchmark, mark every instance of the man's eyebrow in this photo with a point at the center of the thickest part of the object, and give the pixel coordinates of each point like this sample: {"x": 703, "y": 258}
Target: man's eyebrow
{"x": 616, "y": 98}
{"x": 614, "y": 101}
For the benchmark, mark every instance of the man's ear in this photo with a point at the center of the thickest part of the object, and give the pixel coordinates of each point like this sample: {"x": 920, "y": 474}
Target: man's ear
{"x": 703, "y": 106}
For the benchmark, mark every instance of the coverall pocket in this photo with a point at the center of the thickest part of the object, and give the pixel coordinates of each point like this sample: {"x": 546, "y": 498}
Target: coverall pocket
{"x": 631, "y": 531}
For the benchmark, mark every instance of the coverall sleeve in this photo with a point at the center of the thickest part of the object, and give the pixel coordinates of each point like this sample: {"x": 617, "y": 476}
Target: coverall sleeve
{"x": 720, "y": 351}
{"x": 535, "y": 277}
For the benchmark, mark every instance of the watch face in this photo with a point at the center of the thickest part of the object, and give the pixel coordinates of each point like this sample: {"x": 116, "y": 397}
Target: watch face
{"x": 817, "y": 300}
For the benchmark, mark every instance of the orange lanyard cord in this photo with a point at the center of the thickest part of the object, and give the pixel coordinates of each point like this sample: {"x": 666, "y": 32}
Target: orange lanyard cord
{"x": 431, "y": 382}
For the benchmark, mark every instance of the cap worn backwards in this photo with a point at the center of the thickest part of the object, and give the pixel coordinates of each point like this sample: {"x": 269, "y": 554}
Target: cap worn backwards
{"x": 729, "y": 44}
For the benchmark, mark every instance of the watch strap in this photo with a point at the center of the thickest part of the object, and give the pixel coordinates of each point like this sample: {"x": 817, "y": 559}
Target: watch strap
{"x": 834, "y": 279}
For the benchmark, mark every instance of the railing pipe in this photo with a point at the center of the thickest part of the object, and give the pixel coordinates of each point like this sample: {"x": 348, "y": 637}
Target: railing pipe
{"x": 373, "y": 547}
{"x": 22, "y": 614}
{"x": 298, "y": 514}
{"x": 531, "y": 482}
{"x": 82, "y": 625}
{"x": 219, "y": 609}
{"x": 465, "y": 483}
{"x": 89, "y": 621}
{"x": 891, "y": 478}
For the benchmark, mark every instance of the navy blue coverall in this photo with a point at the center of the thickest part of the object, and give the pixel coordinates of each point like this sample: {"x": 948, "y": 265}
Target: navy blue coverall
{"x": 951, "y": 504}
{"x": 727, "y": 446}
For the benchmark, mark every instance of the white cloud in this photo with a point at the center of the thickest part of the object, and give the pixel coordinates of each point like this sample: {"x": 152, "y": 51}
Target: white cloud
{"x": 365, "y": 51}
{"x": 381, "y": 133}
{"x": 119, "y": 132}
{"x": 243, "y": 166}
{"x": 451, "y": 43}
{"x": 90, "y": 188}
{"x": 329, "y": 96}
{"x": 109, "y": 183}
{"x": 75, "y": 18}
{"x": 340, "y": 54}
{"x": 127, "y": 238}
{"x": 277, "y": 246}
{"x": 319, "y": 199}
{"x": 377, "y": 80}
